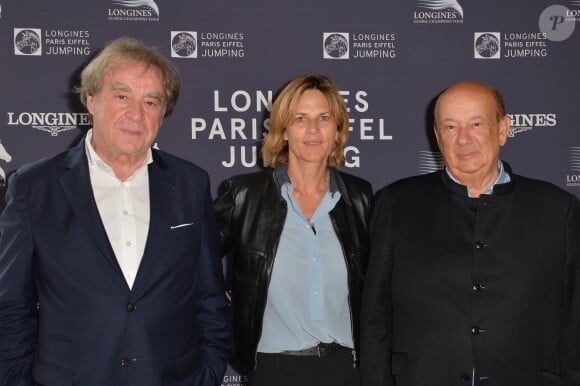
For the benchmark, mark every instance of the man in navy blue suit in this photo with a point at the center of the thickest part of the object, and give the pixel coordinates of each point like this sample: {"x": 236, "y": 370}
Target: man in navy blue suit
{"x": 110, "y": 272}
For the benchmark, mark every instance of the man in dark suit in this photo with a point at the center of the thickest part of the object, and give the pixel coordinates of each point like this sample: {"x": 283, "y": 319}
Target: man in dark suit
{"x": 474, "y": 271}
{"x": 110, "y": 272}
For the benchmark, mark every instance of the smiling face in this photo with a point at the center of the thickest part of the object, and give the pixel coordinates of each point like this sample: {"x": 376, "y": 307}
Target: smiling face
{"x": 470, "y": 131}
{"x": 313, "y": 131}
{"x": 127, "y": 112}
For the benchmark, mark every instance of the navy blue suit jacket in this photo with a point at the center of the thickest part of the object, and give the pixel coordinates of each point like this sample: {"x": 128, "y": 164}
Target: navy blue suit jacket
{"x": 67, "y": 315}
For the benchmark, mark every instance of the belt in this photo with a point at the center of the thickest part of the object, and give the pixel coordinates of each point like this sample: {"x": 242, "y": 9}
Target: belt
{"x": 321, "y": 350}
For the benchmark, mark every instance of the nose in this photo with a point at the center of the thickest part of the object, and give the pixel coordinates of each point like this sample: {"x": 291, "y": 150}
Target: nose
{"x": 463, "y": 135}
{"x": 313, "y": 126}
{"x": 134, "y": 111}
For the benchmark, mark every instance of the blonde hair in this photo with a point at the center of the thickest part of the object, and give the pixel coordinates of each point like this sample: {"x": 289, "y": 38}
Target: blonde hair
{"x": 275, "y": 148}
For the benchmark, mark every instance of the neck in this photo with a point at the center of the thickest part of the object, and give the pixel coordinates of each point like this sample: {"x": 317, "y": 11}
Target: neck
{"x": 124, "y": 166}
{"x": 309, "y": 179}
{"x": 478, "y": 184}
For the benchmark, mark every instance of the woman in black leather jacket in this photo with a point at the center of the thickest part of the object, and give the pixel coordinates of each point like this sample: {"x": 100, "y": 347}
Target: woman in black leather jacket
{"x": 297, "y": 234}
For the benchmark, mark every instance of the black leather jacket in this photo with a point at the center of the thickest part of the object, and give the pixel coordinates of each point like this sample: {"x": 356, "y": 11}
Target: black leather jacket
{"x": 251, "y": 213}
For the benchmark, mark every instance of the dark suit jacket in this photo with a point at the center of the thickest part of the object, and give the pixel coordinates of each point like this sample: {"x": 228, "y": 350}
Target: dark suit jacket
{"x": 67, "y": 315}
{"x": 456, "y": 284}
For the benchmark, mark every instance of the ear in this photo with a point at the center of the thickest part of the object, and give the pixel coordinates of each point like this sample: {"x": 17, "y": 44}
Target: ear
{"x": 90, "y": 103}
{"x": 436, "y": 132}
{"x": 504, "y": 128}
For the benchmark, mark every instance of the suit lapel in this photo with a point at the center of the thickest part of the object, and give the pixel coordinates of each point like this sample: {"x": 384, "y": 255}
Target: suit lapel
{"x": 76, "y": 184}
{"x": 161, "y": 191}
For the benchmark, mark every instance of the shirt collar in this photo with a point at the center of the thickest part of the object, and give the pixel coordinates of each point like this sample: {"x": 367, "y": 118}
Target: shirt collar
{"x": 502, "y": 178}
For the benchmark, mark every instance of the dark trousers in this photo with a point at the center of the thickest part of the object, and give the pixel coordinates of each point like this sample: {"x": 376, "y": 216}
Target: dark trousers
{"x": 333, "y": 369}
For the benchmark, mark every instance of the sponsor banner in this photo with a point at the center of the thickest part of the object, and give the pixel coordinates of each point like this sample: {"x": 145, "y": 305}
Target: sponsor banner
{"x": 359, "y": 46}
{"x": 438, "y": 12}
{"x": 133, "y": 11}
{"x": 194, "y": 45}
{"x": 54, "y": 42}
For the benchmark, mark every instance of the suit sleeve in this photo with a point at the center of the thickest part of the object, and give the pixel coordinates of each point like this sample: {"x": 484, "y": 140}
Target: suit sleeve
{"x": 376, "y": 314}
{"x": 212, "y": 315}
{"x": 18, "y": 299}
{"x": 570, "y": 336}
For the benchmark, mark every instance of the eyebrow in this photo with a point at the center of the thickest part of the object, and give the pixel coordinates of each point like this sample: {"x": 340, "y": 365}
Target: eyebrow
{"x": 469, "y": 119}
{"x": 323, "y": 113}
{"x": 157, "y": 96}
{"x": 119, "y": 86}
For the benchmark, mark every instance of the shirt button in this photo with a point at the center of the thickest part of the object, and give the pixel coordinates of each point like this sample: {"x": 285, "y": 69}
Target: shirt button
{"x": 125, "y": 362}
{"x": 475, "y": 330}
{"x": 479, "y": 244}
{"x": 131, "y": 307}
{"x": 477, "y": 287}
{"x": 125, "y": 212}
{"x": 465, "y": 377}
{"x": 128, "y": 243}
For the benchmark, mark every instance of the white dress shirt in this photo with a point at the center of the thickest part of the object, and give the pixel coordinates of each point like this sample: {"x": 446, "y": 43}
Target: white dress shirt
{"x": 123, "y": 207}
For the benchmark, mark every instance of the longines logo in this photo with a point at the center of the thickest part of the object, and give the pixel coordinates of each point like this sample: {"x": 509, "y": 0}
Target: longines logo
{"x": 430, "y": 161}
{"x": 525, "y": 122}
{"x": 359, "y": 45}
{"x": 56, "y": 42}
{"x": 53, "y": 123}
{"x": 27, "y": 41}
{"x": 216, "y": 45}
{"x": 183, "y": 44}
{"x": 487, "y": 45}
{"x": 573, "y": 179}
{"x": 134, "y": 10}
{"x": 335, "y": 45}
{"x": 438, "y": 12}
{"x": 510, "y": 45}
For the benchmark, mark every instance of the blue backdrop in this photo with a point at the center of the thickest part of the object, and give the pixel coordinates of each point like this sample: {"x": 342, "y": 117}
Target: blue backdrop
{"x": 389, "y": 59}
